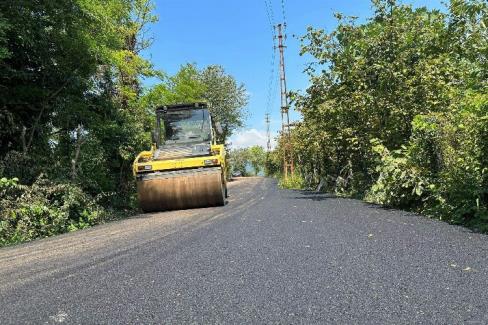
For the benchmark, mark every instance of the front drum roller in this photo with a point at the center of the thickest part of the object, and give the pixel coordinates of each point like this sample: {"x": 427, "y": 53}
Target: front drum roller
{"x": 182, "y": 189}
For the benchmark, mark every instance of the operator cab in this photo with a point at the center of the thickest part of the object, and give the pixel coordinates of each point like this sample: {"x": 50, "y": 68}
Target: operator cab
{"x": 183, "y": 130}
{"x": 183, "y": 124}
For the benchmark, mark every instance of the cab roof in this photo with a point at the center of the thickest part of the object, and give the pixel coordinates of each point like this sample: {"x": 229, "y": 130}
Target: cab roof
{"x": 165, "y": 108}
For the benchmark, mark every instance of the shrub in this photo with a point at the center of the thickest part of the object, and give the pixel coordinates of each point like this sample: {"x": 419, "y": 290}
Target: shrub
{"x": 443, "y": 170}
{"x": 44, "y": 209}
{"x": 400, "y": 183}
{"x": 293, "y": 182}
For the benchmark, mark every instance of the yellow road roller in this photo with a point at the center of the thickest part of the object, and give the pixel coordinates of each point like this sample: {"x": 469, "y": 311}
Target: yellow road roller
{"x": 185, "y": 167}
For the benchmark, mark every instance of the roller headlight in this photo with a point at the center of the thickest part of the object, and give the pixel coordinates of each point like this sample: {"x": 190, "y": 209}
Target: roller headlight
{"x": 144, "y": 167}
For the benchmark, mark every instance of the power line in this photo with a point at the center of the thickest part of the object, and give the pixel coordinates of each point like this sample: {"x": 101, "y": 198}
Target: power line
{"x": 268, "y": 133}
{"x": 270, "y": 15}
{"x": 288, "y": 164}
{"x": 274, "y": 84}
{"x": 268, "y": 141}
{"x": 283, "y": 12}
{"x": 272, "y": 80}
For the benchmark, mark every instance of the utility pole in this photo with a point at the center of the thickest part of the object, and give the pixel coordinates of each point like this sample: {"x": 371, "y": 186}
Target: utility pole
{"x": 268, "y": 133}
{"x": 288, "y": 165}
{"x": 268, "y": 144}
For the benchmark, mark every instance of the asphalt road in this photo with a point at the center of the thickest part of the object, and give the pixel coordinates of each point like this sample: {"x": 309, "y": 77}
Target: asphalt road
{"x": 268, "y": 256}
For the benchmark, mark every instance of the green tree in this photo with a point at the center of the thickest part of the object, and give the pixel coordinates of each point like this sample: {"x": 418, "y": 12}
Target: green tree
{"x": 184, "y": 87}
{"x": 70, "y": 93}
{"x": 226, "y": 99}
{"x": 239, "y": 161}
{"x": 70, "y": 106}
{"x": 397, "y": 109}
{"x": 257, "y": 158}
{"x": 243, "y": 158}
{"x": 383, "y": 73}
{"x": 4, "y": 53}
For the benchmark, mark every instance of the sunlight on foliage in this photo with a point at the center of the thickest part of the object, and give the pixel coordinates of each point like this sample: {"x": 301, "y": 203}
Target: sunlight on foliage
{"x": 397, "y": 108}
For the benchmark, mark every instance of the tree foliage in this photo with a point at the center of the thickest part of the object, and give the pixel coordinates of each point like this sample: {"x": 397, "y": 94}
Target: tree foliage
{"x": 44, "y": 209}
{"x": 245, "y": 160}
{"x": 70, "y": 106}
{"x": 397, "y": 109}
{"x": 226, "y": 98}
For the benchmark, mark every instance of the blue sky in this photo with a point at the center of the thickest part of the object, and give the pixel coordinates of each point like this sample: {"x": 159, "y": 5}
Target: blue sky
{"x": 237, "y": 35}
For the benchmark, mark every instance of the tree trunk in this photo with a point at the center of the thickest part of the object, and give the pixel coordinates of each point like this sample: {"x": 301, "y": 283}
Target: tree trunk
{"x": 78, "y": 143}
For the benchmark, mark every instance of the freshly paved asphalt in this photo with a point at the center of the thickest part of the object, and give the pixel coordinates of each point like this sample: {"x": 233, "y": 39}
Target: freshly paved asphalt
{"x": 269, "y": 256}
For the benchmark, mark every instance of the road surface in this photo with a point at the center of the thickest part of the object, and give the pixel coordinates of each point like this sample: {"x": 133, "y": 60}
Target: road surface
{"x": 268, "y": 256}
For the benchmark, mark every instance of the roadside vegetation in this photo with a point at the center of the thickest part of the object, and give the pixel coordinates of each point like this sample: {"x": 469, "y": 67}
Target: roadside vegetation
{"x": 74, "y": 110}
{"x": 250, "y": 161}
{"x": 397, "y": 110}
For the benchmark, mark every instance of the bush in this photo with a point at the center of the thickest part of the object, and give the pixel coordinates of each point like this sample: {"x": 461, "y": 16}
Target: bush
{"x": 443, "y": 170}
{"x": 400, "y": 183}
{"x": 44, "y": 209}
{"x": 293, "y": 182}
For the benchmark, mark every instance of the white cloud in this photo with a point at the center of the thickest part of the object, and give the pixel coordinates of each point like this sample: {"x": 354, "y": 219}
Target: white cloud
{"x": 250, "y": 137}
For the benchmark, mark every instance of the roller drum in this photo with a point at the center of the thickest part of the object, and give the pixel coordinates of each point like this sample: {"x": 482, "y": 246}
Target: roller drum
{"x": 183, "y": 189}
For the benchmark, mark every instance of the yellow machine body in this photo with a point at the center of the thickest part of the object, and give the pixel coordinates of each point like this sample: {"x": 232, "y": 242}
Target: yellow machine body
{"x": 145, "y": 159}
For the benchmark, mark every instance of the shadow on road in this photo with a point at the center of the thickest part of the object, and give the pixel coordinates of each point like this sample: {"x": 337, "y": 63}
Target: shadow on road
{"x": 314, "y": 196}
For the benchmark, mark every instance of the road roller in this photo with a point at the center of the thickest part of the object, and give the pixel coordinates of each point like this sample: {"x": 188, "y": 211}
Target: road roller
{"x": 185, "y": 167}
